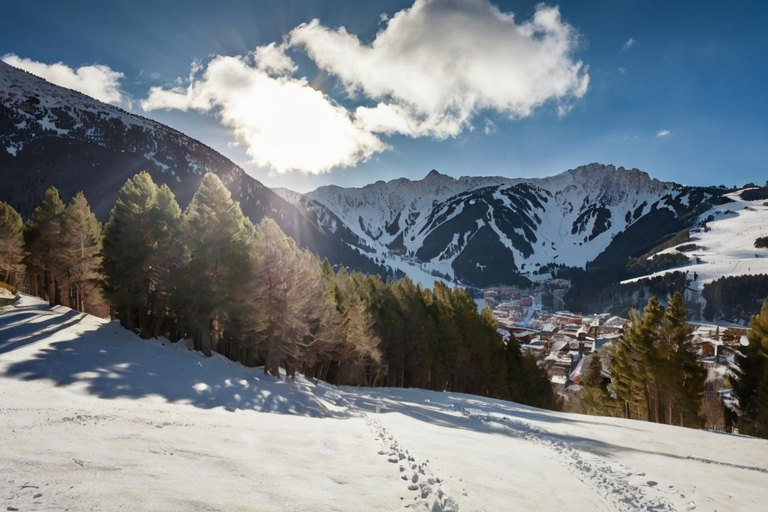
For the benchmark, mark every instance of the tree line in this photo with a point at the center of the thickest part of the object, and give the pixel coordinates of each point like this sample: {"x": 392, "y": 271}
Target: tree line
{"x": 206, "y": 273}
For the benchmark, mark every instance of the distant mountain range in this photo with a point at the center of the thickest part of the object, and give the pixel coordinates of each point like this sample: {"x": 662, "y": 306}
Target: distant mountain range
{"x": 484, "y": 231}
{"x": 596, "y": 224}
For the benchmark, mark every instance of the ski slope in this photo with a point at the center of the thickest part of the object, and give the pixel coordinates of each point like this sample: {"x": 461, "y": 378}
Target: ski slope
{"x": 727, "y": 246}
{"x": 94, "y": 418}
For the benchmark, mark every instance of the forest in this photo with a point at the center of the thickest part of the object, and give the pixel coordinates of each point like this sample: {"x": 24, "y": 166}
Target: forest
{"x": 249, "y": 293}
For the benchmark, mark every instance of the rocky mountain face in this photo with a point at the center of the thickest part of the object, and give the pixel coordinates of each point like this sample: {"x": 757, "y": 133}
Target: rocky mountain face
{"x": 50, "y": 135}
{"x": 482, "y": 231}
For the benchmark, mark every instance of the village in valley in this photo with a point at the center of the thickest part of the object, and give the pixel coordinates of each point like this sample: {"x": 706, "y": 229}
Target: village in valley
{"x": 562, "y": 341}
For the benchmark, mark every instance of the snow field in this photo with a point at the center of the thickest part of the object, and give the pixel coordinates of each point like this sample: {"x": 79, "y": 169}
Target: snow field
{"x": 94, "y": 418}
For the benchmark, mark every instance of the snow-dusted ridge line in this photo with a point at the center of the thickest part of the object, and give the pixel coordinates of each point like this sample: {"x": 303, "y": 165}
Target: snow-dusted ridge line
{"x": 569, "y": 218}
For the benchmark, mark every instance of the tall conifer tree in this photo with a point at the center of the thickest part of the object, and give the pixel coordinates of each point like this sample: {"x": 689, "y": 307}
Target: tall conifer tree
{"x": 751, "y": 386}
{"x": 81, "y": 254}
{"x": 11, "y": 244}
{"x": 43, "y": 240}
{"x": 217, "y": 238}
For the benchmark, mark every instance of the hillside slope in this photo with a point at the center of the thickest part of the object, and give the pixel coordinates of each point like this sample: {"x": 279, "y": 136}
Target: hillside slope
{"x": 722, "y": 242}
{"x": 95, "y": 418}
{"x": 50, "y": 135}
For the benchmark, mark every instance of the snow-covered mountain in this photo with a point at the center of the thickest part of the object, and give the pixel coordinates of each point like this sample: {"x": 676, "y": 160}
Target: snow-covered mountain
{"x": 50, "y": 135}
{"x": 722, "y": 241}
{"x": 482, "y": 231}
{"x": 92, "y": 416}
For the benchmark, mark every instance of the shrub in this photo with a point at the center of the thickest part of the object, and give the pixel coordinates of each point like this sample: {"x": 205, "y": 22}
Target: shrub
{"x": 8, "y": 287}
{"x": 761, "y": 242}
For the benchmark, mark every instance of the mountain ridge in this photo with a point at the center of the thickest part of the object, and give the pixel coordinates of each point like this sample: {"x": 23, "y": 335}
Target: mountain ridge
{"x": 50, "y": 135}
{"x": 522, "y": 224}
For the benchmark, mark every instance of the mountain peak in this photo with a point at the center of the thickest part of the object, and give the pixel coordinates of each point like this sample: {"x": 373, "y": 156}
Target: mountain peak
{"x": 436, "y": 175}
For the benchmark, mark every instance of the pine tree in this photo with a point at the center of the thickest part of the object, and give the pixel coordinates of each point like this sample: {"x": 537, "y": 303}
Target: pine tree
{"x": 751, "y": 386}
{"x": 127, "y": 250}
{"x": 681, "y": 376}
{"x": 81, "y": 254}
{"x": 11, "y": 244}
{"x": 633, "y": 363}
{"x": 593, "y": 377}
{"x": 43, "y": 240}
{"x": 285, "y": 285}
{"x": 163, "y": 238}
{"x": 217, "y": 240}
{"x": 595, "y": 397}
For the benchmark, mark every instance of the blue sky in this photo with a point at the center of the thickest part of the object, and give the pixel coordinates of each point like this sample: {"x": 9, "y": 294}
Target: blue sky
{"x": 695, "y": 73}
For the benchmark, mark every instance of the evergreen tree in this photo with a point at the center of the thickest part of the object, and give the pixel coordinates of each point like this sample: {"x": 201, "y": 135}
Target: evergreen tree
{"x": 163, "y": 238}
{"x": 43, "y": 241}
{"x": 633, "y": 377}
{"x": 595, "y": 396}
{"x": 751, "y": 386}
{"x": 139, "y": 239}
{"x": 358, "y": 355}
{"x": 11, "y": 244}
{"x": 325, "y": 329}
{"x": 285, "y": 285}
{"x": 593, "y": 377}
{"x": 217, "y": 240}
{"x": 81, "y": 254}
{"x": 682, "y": 376}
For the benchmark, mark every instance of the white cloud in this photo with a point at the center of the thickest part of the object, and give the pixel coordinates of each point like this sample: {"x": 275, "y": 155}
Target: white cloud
{"x": 283, "y": 123}
{"x": 662, "y": 133}
{"x": 98, "y": 81}
{"x": 440, "y": 62}
{"x": 623, "y": 71}
{"x": 431, "y": 70}
{"x": 272, "y": 60}
{"x": 630, "y": 43}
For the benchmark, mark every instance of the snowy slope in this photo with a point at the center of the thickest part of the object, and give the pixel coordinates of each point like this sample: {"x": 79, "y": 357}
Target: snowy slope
{"x": 94, "y": 418}
{"x": 724, "y": 239}
{"x": 482, "y": 231}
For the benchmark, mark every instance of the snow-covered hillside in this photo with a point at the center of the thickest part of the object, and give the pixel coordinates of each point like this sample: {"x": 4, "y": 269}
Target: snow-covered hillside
{"x": 94, "y": 418}
{"x": 722, "y": 242}
{"x": 482, "y": 231}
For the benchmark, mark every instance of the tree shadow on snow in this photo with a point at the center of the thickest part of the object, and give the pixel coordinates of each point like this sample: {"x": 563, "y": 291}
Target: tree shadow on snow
{"x": 110, "y": 362}
{"x": 21, "y": 328}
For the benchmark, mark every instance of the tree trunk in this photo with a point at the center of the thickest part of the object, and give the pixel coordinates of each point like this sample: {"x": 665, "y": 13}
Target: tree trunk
{"x": 216, "y": 334}
{"x": 157, "y": 326}
{"x": 205, "y": 336}
{"x": 127, "y": 321}
{"x": 143, "y": 321}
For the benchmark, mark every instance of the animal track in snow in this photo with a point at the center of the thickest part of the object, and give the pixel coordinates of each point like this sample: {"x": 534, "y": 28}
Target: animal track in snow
{"x": 612, "y": 482}
{"x": 417, "y": 475}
